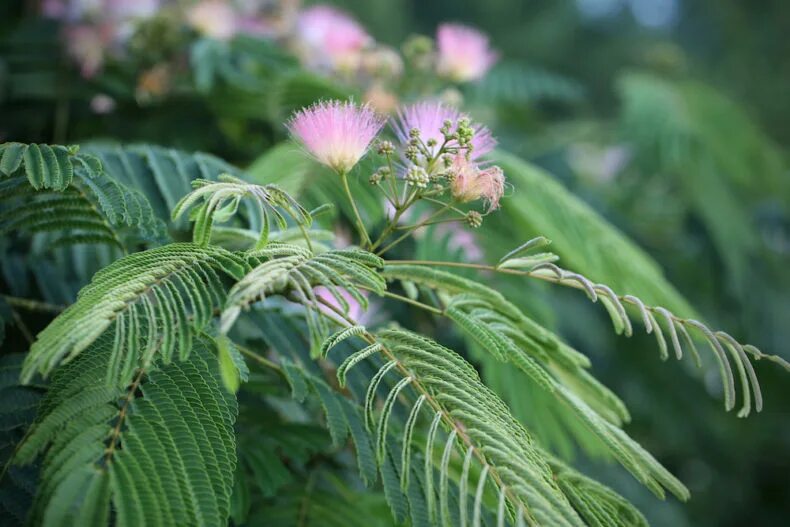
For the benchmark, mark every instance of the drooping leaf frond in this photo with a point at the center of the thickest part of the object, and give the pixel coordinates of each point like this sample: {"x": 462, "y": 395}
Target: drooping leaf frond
{"x": 580, "y": 236}
{"x": 656, "y": 320}
{"x": 221, "y": 201}
{"x": 659, "y": 320}
{"x": 153, "y": 301}
{"x": 159, "y": 451}
{"x": 479, "y": 428}
{"x": 89, "y": 206}
{"x": 296, "y": 271}
{"x": 163, "y": 175}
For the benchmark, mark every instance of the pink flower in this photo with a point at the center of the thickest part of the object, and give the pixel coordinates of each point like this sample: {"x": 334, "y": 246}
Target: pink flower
{"x": 429, "y": 117}
{"x": 470, "y": 182}
{"x": 54, "y": 8}
{"x": 460, "y": 239}
{"x": 213, "y": 18}
{"x": 330, "y": 39}
{"x": 463, "y": 53}
{"x": 336, "y": 133}
{"x": 102, "y": 104}
{"x": 87, "y": 44}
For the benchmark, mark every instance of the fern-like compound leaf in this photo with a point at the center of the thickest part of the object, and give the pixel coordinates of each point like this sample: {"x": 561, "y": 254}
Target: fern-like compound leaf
{"x": 160, "y": 451}
{"x": 153, "y": 301}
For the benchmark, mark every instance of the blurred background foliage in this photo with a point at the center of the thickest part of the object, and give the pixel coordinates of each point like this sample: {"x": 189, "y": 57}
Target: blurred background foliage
{"x": 669, "y": 118}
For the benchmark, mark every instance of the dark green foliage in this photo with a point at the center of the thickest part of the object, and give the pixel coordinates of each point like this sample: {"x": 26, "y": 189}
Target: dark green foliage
{"x": 160, "y": 451}
{"x": 76, "y": 202}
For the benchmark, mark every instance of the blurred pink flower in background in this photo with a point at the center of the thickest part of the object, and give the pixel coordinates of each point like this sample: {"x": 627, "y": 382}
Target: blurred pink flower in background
{"x": 96, "y": 29}
{"x": 460, "y": 239}
{"x": 214, "y": 19}
{"x": 329, "y": 39}
{"x": 355, "y": 310}
{"x": 429, "y": 117}
{"x": 265, "y": 18}
{"x": 381, "y": 99}
{"x": 463, "y": 53}
{"x": 336, "y": 133}
{"x": 102, "y": 104}
{"x": 87, "y": 44}
{"x": 131, "y": 9}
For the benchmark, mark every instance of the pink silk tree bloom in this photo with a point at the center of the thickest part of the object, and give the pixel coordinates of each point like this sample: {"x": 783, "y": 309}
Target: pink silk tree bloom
{"x": 214, "y": 18}
{"x": 336, "y": 133}
{"x": 429, "y": 117}
{"x": 329, "y": 39}
{"x": 463, "y": 53}
{"x": 470, "y": 183}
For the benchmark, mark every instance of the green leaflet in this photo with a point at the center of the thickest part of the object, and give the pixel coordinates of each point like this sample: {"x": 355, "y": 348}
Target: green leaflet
{"x": 82, "y": 204}
{"x": 584, "y": 240}
{"x": 45, "y": 166}
{"x": 293, "y": 270}
{"x": 120, "y": 297}
{"x": 171, "y": 460}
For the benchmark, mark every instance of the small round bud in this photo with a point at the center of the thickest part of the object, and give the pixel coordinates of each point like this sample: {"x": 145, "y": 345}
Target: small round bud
{"x": 417, "y": 45}
{"x": 414, "y": 133}
{"x": 385, "y": 148}
{"x": 474, "y": 219}
{"x": 431, "y": 142}
{"x": 417, "y": 176}
{"x": 412, "y": 153}
{"x": 375, "y": 178}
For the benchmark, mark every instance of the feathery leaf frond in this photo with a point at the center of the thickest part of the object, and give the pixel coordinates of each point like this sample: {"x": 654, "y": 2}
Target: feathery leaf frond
{"x": 159, "y": 450}
{"x": 90, "y": 206}
{"x": 221, "y": 201}
{"x": 290, "y": 269}
{"x": 154, "y": 301}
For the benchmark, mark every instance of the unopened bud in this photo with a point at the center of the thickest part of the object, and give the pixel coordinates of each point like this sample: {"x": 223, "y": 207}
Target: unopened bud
{"x": 385, "y": 148}
{"x": 417, "y": 176}
{"x": 474, "y": 219}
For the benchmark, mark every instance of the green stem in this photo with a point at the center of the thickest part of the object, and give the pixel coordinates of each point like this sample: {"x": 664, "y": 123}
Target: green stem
{"x": 258, "y": 358}
{"x": 451, "y": 422}
{"x": 365, "y": 239}
{"x": 32, "y": 305}
{"x": 437, "y": 222}
{"x": 306, "y": 237}
{"x": 401, "y": 298}
{"x": 414, "y": 228}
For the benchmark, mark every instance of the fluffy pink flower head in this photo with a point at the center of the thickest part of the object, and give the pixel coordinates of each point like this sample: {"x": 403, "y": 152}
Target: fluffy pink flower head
{"x": 471, "y": 183}
{"x": 429, "y": 117}
{"x": 463, "y": 53}
{"x": 213, "y": 18}
{"x": 336, "y": 133}
{"x": 330, "y": 39}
